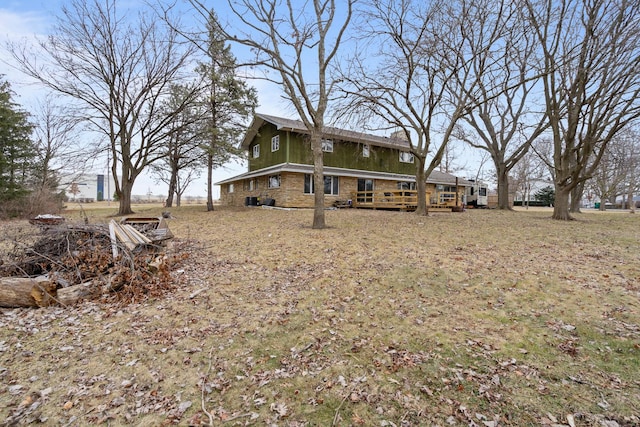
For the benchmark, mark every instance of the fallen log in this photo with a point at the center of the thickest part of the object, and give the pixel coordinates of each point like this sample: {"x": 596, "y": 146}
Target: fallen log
{"x": 72, "y": 294}
{"x": 26, "y": 292}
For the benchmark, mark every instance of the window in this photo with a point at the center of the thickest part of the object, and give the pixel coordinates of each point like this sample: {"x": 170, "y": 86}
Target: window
{"x": 275, "y": 143}
{"x": 482, "y": 191}
{"x": 231, "y": 188}
{"x": 308, "y": 184}
{"x": 331, "y": 185}
{"x": 365, "y": 190}
{"x": 405, "y": 185}
{"x": 256, "y": 151}
{"x": 274, "y": 181}
{"x": 252, "y": 184}
{"x": 406, "y": 157}
{"x": 365, "y": 150}
{"x": 327, "y": 145}
{"x": 449, "y": 188}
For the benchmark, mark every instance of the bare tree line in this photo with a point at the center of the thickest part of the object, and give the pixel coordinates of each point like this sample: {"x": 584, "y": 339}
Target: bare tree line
{"x": 500, "y": 75}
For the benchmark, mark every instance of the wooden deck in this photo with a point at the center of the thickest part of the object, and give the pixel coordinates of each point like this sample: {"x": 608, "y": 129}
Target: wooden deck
{"x": 405, "y": 200}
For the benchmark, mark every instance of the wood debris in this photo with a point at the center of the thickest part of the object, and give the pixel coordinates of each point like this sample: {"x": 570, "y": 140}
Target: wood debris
{"x": 63, "y": 263}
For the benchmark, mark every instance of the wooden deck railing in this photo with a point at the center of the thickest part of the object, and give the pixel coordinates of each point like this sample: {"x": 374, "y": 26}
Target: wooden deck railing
{"x": 401, "y": 199}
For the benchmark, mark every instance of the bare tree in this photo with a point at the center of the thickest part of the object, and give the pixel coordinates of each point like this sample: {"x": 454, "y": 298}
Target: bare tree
{"x": 58, "y": 154}
{"x": 616, "y": 170}
{"x": 503, "y": 121}
{"x": 591, "y": 66}
{"x": 450, "y": 158}
{"x": 183, "y": 151}
{"x": 118, "y": 67}
{"x": 298, "y": 42}
{"x": 528, "y": 171}
{"x": 425, "y": 77}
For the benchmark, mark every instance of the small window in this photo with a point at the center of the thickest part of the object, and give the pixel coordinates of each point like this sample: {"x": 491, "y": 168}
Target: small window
{"x": 406, "y": 157}
{"x": 327, "y": 145}
{"x": 482, "y": 191}
{"x": 405, "y": 185}
{"x": 275, "y": 143}
{"x": 274, "y": 181}
{"x": 252, "y": 185}
{"x": 231, "y": 188}
{"x": 256, "y": 151}
{"x": 365, "y": 150}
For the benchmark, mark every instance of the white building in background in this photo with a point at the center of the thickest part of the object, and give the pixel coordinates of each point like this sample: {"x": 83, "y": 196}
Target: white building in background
{"x": 88, "y": 188}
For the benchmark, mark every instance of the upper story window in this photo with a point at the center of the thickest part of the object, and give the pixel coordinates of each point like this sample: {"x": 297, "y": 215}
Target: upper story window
{"x": 256, "y": 151}
{"x": 275, "y": 143}
{"x": 327, "y": 145}
{"x": 274, "y": 181}
{"x": 365, "y": 150}
{"x": 406, "y": 157}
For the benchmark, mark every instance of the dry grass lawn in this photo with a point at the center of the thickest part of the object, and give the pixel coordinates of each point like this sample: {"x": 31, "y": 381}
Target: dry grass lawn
{"x": 481, "y": 318}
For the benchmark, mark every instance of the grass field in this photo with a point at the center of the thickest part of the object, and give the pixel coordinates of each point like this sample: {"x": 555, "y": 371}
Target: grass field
{"x": 481, "y": 318}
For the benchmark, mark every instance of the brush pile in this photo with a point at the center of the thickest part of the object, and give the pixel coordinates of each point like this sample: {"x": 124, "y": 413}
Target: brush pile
{"x": 61, "y": 263}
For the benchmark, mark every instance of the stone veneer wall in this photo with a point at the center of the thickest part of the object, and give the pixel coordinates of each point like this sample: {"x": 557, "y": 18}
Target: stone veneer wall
{"x": 291, "y": 191}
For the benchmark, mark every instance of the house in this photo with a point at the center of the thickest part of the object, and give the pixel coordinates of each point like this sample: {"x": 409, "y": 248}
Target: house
{"x": 360, "y": 170}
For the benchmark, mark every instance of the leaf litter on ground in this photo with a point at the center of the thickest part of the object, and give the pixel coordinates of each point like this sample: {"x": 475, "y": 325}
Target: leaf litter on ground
{"x": 480, "y": 318}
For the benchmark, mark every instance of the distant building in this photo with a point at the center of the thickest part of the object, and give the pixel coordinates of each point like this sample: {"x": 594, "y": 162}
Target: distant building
{"x": 88, "y": 188}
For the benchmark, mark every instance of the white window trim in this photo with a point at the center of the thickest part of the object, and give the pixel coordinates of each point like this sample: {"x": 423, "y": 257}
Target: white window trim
{"x": 327, "y": 145}
{"x": 411, "y": 157}
{"x": 312, "y": 184}
{"x": 366, "y": 150}
{"x": 256, "y": 151}
{"x": 271, "y": 181}
{"x": 275, "y": 143}
{"x": 231, "y": 188}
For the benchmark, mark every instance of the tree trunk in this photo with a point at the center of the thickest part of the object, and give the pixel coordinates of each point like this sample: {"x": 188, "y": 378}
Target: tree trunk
{"x": 72, "y": 294}
{"x": 561, "y": 205}
{"x": 421, "y": 187}
{"x": 209, "y": 182}
{"x": 576, "y": 198}
{"x": 172, "y": 188}
{"x": 125, "y": 197}
{"x": 503, "y": 188}
{"x": 26, "y": 292}
{"x": 632, "y": 203}
{"x": 318, "y": 180}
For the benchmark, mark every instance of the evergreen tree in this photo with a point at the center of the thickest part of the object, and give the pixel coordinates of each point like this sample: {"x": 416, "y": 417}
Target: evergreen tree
{"x": 228, "y": 103}
{"x": 17, "y": 151}
{"x": 547, "y": 195}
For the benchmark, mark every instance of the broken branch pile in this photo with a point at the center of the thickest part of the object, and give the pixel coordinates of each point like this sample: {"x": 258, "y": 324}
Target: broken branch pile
{"x": 66, "y": 263}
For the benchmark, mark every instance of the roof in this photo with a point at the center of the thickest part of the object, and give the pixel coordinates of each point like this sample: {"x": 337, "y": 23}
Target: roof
{"x": 329, "y": 132}
{"x": 436, "y": 177}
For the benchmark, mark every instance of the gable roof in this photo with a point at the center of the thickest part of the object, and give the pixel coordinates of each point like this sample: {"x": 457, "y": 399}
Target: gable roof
{"x": 329, "y": 132}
